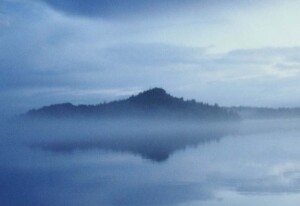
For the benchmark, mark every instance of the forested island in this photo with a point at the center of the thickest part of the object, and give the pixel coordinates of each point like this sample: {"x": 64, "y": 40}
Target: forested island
{"x": 153, "y": 103}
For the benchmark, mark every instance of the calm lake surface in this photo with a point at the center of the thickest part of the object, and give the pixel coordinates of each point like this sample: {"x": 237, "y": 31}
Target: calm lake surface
{"x": 256, "y": 164}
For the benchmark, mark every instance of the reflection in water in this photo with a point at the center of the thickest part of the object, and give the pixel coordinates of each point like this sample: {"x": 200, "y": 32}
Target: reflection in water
{"x": 157, "y": 145}
{"x": 259, "y": 167}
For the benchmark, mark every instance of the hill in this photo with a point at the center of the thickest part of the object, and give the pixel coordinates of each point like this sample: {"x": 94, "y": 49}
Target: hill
{"x": 153, "y": 103}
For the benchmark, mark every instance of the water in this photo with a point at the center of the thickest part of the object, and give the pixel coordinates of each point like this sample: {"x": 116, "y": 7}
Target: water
{"x": 257, "y": 164}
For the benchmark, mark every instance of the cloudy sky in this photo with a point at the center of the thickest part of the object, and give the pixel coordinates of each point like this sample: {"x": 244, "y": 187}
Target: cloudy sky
{"x": 233, "y": 52}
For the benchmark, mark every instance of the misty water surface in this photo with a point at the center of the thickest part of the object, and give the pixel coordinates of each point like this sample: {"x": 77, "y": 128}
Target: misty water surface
{"x": 135, "y": 162}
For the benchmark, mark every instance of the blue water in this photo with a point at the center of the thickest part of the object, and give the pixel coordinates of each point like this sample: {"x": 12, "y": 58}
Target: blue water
{"x": 258, "y": 165}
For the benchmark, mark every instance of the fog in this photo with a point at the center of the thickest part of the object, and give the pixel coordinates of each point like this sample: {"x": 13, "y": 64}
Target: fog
{"x": 153, "y": 139}
{"x": 147, "y": 162}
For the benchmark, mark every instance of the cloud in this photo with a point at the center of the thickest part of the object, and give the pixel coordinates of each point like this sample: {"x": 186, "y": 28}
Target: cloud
{"x": 118, "y": 8}
{"x": 73, "y": 59}
{"x": 132, "y": 8}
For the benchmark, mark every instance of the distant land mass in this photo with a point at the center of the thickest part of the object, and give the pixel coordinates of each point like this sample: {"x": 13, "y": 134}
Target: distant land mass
{"x": 265, "y": 112}
{"x": 153, "y": 103}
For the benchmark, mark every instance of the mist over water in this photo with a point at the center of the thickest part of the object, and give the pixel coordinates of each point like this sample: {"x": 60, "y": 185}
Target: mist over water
{"x": 149, "y": 103}
{"x": 146, "y": 162}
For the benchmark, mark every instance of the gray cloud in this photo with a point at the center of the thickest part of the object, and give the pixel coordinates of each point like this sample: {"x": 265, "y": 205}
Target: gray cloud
{"x": 118, "y": 8}
{"x": 132, "y": 8}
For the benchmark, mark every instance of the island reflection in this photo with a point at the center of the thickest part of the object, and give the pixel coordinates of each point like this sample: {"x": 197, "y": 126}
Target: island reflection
{"x": 155, "y": 141}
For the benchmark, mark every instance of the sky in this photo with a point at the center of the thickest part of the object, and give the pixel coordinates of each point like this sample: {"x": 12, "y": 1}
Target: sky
{"x": 228, "y": 52}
